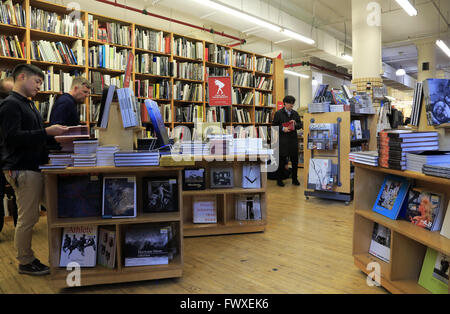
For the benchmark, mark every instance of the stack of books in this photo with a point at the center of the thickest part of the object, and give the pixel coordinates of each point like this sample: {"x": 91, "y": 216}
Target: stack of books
{"x": 58, "y": 161}
{"x": 136, "y": 158}
{"x": 105, "y": 155}
{"x": 85, "y": 146}
{"x": 416, "y": 161}
{"x": 84, "y": 160}
{"x": 368, "y": 157}
{"x": 393, "y": 146}
{"x": 438, "y": 170}
{"x": 319, "y": 107}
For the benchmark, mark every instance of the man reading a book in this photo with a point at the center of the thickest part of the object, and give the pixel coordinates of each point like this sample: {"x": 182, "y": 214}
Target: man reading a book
{"x": 64, "y": 110}
{"x": 288, "y": 121}
{"x": 24, "y": 148}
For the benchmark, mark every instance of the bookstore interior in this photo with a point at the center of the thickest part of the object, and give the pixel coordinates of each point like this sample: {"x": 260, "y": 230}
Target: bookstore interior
{"x": 169, "y": 181}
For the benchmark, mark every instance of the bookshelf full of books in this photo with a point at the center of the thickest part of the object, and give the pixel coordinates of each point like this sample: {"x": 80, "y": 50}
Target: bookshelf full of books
{"x": 170, "y": 68}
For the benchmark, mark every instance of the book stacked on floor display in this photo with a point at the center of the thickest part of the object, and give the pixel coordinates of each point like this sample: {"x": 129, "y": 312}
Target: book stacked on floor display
{"x": 105, "y": 155}
{"x": 136, "y": 158}
{"x": 393, "y": 146}
{"x": 416, "y": 161}
{"x": 368, "y": 157}
{"x": 438, "y": 170}
{"x": 84, "y": 160}
{"x": 58, "y": 161}
{"x": 319, "y": 107}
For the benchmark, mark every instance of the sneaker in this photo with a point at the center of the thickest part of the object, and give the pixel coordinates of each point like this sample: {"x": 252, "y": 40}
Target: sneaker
{"x": 295, "y": 182}
{"x": 35, "y": 268}
{"x": 280, "y": 183}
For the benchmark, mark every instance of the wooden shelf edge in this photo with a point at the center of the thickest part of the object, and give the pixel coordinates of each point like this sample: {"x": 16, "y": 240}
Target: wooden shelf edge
{"x": 221, "y": 229}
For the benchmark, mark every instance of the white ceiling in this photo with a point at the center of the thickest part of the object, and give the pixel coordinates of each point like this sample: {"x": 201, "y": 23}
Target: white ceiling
{"x": 331, "y": 16}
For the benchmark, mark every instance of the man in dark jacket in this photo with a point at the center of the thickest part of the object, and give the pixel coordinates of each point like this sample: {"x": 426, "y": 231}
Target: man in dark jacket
{"x": 288, "y": 140}
{"x": 64, "y": 110}
{"x": 24, "y": 144}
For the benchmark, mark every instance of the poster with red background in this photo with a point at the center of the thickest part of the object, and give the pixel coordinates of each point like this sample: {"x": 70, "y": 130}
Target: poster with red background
{"x": 219, "y": 91}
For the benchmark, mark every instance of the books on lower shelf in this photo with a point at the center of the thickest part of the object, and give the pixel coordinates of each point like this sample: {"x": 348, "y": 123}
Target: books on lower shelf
{"x": 392, "y": 195}
{"x": 57, "y": 52}
{"x": 380, "y": 245}
{"x": 248, "y": 207}
{"x": 425, "y": 209}
{"x": 119, "y": 197}
{"x": 435, "y": 272}
{"x": 445, "y": 230}
{"x": 11, "y": 47}
{"x": 79, "y": 245}
{"x": 320, "y": 174}
{"x": 106, "y": 253}
{"x": 416, "y": 161}
{"x": 149, "y": 244}
{"x": 437, "y": 170}
{"x": 204, "y": 209}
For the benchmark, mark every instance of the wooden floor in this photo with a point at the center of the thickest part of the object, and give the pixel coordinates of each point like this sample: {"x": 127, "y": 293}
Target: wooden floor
{"x": 306, "y": 248}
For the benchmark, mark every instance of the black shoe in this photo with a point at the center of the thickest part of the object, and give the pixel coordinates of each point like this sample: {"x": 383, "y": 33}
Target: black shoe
{"x": 280, "y": 183}
{"x": 35, "y": 268}
{"x": 295, "y": 182}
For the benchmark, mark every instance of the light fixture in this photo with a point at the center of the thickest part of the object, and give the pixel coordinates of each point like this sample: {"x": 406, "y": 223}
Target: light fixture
{"x": 347, "y": 57}
{"x": 443, "y": 46}
{"x": 400, "y": 72}
{"x": 255, "y": 20}
{"x": 295, "y": 74}
{"x": 408, "y": 7}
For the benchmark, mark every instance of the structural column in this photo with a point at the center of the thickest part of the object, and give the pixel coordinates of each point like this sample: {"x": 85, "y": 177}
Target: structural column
{"x": 306, "y": 87}
{"x": 426, "y": 58}
{"x": 366, "y": 43}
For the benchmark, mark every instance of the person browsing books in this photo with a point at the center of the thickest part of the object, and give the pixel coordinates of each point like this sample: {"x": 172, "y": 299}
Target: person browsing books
{"x": 24, "y": 148}
{"x": 64, "y": 110}
{"x": 288, "y": 120}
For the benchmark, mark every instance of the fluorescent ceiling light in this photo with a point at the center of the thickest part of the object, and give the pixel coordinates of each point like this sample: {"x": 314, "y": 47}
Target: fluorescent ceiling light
{"x": 400, "y": 72}
{"x": 347, "y": 57}
{"x": 255, "y": 20}
{"x": 443, "y": 46}
{"x": 408, "y": 7}
{"x": 295, "y": 74}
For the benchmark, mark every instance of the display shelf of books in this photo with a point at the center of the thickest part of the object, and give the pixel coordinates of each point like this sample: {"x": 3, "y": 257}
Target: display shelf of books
{"x": 404, "y": 249}
{"x": 214, "y": 201}
{"x": 98, "y": 274}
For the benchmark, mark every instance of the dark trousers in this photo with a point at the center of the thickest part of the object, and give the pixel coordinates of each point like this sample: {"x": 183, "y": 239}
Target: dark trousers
{"x": 283, "y": 162}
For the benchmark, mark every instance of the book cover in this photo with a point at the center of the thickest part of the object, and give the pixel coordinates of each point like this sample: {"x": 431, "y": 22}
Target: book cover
{"x": 106, "y": 254}
{"x": 380, "y": 245}
{"x": 222, "y": 178}
{"x": 146, "y": 245}
{"x": 119, "y": 197}
{"x": 437, "y": 98}
{"x": 194, "y": 179}
{"x": 79, "y": 196}
{"x": 160, "y": 194}
{"x": 79, "y": 244}
{"x": 435, "y": 271}
{"x": 248, "y": 207}
{"x": 445, "y": 230}
{"x": 424, "y": 209}
{"x": 251, "y": 176}
{"x": 319, "y": 174}
{"x": 290, "y": 125}
{"x": 391, "y": 197}
{"x": 205, "y": 209}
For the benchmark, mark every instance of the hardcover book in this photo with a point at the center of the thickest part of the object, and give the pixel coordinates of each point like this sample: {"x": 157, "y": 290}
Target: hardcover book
{"x": 222, "y": 178}
{"x": 380, "y": 245}
{"x": 106, "y": 255}
{"x": 320, "y": 174}
{"x": 248, "y": 207}
{"x": 194, "y": 179}
{"x": 251, "y": 176}
{"x": 425, "y": 209}
{"x": 435, "y": 271}
{"x": 79, "y": 196}
{"x": 437, "y": 100}
{"x": 160, "y": 194}
{"x": 146, "y": 245}
{"x": 205, "y": 209}
{"x": 391, "y": 197}
{"x": 119, "y": 197}
{"x": 79, "y": 245}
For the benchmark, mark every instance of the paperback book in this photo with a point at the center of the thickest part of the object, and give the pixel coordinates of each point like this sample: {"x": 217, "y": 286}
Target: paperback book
{"x": 79, "y": 245}
{"x": 435, "y": 272}
{"x": 106, "y": 255}
{"x": 380, "y": 245}
{"x": 425, "y": 209}
{"x": 119, "y": 197}
{"x": 391, "y": 197}
{"x": 248, "y": 207}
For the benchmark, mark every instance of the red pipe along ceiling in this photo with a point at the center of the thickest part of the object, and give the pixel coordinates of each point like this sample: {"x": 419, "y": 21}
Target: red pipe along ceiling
{"x": 145, "y": 12}
{"x": 321, "y": 68}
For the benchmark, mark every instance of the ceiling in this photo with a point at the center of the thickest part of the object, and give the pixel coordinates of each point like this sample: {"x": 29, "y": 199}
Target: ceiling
{"x": 314, "y": 17}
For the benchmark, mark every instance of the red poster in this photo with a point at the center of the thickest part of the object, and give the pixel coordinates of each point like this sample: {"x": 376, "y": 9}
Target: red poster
{"x": 219, "y": 91}
{"x": 280, "y": 105}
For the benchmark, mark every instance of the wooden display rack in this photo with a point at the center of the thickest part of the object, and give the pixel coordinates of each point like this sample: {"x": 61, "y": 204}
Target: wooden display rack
{"x": 408, "y": 242}
{"x": 226, "y": 220}
{"x": 343, "y": 190}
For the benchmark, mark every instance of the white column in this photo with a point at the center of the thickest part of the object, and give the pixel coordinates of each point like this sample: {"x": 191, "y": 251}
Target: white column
{"x": 426, "y": 57}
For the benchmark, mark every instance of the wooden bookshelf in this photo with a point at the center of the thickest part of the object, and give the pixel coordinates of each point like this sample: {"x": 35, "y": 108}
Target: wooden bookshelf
{"x": 408, "y": 242}
{"x": 226, "y": 218}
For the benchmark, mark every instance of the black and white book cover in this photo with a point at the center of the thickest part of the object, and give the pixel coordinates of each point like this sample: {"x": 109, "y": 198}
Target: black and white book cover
{"x": 222, "y": 178}
{"x": 79, "y": 245}
{"x": 380, "y": 245}
{"x": 251, "y": 176}
{"x": 146, "y": 245}
{"x": 119, "y": 197}
{"x": 194, "y": 179}
{"x": 160, "y": 194}
{"x": 248, "y": 207}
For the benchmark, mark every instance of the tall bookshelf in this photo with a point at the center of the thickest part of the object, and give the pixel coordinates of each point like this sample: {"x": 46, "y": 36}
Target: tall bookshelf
{"x": 28, "y": 34}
